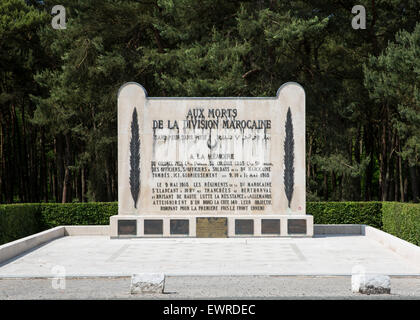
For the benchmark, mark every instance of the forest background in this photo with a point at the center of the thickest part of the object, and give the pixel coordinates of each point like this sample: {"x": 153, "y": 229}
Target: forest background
{"x": 58, "y": 110}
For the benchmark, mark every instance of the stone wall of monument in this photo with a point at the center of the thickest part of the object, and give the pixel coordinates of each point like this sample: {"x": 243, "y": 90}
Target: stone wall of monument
{"x": 211, "y": 156}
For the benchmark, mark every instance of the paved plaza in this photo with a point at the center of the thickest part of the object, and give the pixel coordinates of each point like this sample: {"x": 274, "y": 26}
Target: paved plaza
{"x": 93, "y": 256}
{"x": 208, "y": 287}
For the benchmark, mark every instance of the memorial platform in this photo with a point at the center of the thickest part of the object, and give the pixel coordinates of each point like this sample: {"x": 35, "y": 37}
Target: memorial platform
{"x": 205, "y": 226}
{"x": 82, "y": 255}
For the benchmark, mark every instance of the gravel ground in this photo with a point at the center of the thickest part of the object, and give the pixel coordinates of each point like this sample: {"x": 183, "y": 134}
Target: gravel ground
{"x": 204, "y": 287}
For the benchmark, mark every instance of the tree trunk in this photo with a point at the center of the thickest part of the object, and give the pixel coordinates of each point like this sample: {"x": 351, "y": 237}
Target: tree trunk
{"x": 108, "y": 182}
{"x": 16, "y": 147}
{"x": 83, "y": 184}
{"x": 400, "y": 172}
{"x": 51, "y": 177}
{"x": 2, "y": 164}
{"x": 383, "y": 163}
{"x": 405, "y": 168}
{"x": 333, "y": 185}
{"x": 356, "y": 181}
{"x": 325, "y": 186}
{"x": 43, "y": 169}
{"x": 414, "y": 183}
{"x": 66, "y": 197}
{"x": 308, "y": 164}
{"x": 369, "y": 169}
{"x": 25, "y": 167}
{"x": 59, "y": 151}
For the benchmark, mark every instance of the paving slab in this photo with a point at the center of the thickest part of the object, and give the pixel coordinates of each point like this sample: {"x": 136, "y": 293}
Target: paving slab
{"x": 207, "y": 287}
{"x": 93, "y": 256}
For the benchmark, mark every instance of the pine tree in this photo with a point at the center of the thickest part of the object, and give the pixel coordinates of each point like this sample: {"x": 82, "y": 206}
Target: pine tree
{"x": 393, "y": 79}
{"x": 58, "y": 87}
{"x": 22, "y": 144}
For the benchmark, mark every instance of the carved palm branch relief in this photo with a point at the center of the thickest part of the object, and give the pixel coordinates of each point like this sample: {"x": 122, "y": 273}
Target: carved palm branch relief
{"x": 289, "y": 157}
{"x": 135, "y": 158}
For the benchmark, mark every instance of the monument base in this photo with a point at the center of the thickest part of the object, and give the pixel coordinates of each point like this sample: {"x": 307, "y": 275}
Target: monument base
{"x": 211, "y": 226}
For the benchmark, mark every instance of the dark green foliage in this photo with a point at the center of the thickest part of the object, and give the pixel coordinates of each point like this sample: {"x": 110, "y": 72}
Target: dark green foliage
{"x": 135, "y": 159}
{"x": 21, "y": 220}
{"x": 399, "y": 219}
{"x": 18, "y": 221}
{"x": 395, "y": 75}
{"x": 21, "y": 56}
{"x": 91, "y": 213}
{"x": 392, "y": 79}
{"x": 368, "y": 213}
{"x": 402, "y": 220}
{"x": 58, "y": 87}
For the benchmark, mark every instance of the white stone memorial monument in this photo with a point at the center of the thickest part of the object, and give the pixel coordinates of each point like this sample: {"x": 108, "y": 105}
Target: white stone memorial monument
{"x": 211, "y": 167}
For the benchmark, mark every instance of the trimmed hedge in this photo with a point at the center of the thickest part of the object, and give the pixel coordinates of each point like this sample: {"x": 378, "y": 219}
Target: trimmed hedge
{"x": 90, "y": 213}
{"x": 402, "y": 220}
{"x": 369, "y": 213}
{"x": 20, "y": 220}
